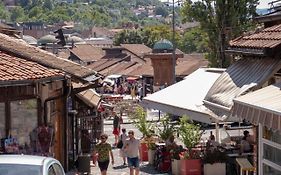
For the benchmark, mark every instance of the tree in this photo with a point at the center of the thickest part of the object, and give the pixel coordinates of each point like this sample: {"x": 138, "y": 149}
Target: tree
{"x": 48, "y": 4}
{"x": 147, "y": 36}
{"x": 17, "y": 14}
{"x": 24, "y": 3}
{"x": 4, "y": 14}
{"x": 194, "y": 40}
{"x": 161, "y": 11}
{"x": 222, "y": 20}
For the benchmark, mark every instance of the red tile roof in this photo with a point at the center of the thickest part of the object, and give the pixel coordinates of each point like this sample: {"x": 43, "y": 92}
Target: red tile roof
{"x": 139, "y": 49}
{"x": 103, "y": 64}
{"x": 21, "y": 48}
{"x": 190, "y": 63}
{"x": 184, "y": 67}
{"x": 14, "y": 68}
{"x": 118, "y": 68}
{"x": 267, "y": 38}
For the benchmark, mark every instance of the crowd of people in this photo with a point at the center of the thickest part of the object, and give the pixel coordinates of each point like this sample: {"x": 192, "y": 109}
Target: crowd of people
{"x": 135, "y": 89}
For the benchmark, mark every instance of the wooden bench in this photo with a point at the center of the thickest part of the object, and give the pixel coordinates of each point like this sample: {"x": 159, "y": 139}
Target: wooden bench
{"x": 245, "y": 166}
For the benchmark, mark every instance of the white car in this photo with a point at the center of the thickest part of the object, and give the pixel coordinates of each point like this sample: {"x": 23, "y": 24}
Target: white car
{"x": 29, "y": 165}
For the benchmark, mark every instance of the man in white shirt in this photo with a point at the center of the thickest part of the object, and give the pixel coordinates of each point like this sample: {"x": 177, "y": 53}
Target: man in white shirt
{"x": 132, "y": 149}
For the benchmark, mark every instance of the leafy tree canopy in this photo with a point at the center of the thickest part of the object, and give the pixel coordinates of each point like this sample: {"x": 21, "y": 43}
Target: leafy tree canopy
{"x": 221, "y": 20}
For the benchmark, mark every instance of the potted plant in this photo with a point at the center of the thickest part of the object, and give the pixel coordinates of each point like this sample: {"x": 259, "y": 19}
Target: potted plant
{"x": 151, "y": 152}
{"x": 165, "y": 128}
{"x": 146, "y": 128}
{"x": 214, "y": 160}
{"x": 190, "y": 134}
{"x": 175, "y": 156}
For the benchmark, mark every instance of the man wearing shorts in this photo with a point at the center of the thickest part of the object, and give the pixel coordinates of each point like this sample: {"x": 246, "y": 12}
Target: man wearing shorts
{"x": 103, "y": 149}
{"x": 131, "y": 149}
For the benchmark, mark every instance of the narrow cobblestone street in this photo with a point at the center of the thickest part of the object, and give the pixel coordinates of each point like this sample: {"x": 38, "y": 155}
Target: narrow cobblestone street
{"x": 118, "y": 168}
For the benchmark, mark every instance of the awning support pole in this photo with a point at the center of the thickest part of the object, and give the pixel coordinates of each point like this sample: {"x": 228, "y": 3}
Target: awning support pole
{"x": 217, "y": 131}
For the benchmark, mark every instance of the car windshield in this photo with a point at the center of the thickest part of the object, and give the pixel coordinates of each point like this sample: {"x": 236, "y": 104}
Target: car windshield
{"x": 16, "y": 169}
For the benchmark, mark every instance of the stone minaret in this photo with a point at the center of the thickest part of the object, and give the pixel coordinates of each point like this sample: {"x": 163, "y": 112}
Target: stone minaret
{"x": 162, "y": 63}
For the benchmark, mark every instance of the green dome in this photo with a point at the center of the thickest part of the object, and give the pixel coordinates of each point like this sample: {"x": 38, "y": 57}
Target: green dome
{"x": 74, "y": 39}
{"x": 47, "y": 39}
{"x": 162, "y": 45}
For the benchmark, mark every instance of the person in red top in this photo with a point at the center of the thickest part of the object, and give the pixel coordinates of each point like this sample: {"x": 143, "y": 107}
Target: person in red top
{"x": 116, "y": 128}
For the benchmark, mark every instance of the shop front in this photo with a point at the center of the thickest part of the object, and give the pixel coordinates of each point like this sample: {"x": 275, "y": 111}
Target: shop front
{"x": 262, "y": 108}
{"x": 32, "y": 109}
{"x": 33, "y": 122}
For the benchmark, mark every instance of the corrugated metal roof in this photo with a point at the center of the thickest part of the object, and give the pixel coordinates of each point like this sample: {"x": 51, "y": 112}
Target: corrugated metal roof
{"x": 87, "y": 52}
{"x": 238, "y": 79}
{"x": 42, "y": 57}
{"x": 261, "y": 106}
{"x": 267, "y": 38}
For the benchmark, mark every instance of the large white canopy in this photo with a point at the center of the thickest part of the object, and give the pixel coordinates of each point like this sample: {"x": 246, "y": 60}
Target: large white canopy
{"x": 185, "y": 97}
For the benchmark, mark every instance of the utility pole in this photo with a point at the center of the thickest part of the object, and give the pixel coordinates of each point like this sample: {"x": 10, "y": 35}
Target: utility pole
{"x": 174, "y": 44}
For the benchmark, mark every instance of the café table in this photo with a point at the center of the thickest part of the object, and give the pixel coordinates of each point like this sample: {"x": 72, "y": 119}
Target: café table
{"x": 232, "y": 165}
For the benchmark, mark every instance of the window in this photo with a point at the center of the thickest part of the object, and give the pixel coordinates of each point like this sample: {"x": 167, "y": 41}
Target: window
{"x": 272, "y": 136}
{"x": 267, "y": 170}
{"x": 271, "y": 160}
{"x": 23, "y": 122}
{"x": 272, "y": 154}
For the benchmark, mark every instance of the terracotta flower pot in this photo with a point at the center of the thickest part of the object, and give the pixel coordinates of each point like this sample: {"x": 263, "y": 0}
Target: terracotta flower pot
{"x": 190, "y": 167}
{"x": 144, "y": 152}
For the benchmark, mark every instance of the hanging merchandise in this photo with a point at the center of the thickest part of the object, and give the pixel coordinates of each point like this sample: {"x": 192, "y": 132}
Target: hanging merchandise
{"x": 44, "y": 139}
{"x": 11, "y": 145}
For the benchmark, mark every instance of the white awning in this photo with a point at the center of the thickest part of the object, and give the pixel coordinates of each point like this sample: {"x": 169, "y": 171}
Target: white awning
{"x": 185, "y": 97}
{"x": 262, "y": 106}
{"x": 241, "y": 77}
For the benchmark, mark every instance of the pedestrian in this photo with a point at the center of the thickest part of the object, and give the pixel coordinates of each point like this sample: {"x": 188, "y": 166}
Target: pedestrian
{"x": 133, "y": 92}
{"x": 140, "y": 92}
{"x": 103, "y": 149}
{"x": 247, "y": 143}
{"x": 116, "y": 128}
{"x": 123, "y": 137}
{"x": 132, "y": 150}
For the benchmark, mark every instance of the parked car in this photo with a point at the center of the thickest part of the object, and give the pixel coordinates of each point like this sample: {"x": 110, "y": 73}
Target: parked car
{"x": 29, "y": 165}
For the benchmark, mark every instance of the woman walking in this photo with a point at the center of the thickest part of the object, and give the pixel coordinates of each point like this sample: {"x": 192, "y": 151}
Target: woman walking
{"x": 103, "y": 150}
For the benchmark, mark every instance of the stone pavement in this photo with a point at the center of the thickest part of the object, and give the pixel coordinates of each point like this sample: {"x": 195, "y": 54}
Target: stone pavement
{"x": 118, "y": 168}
